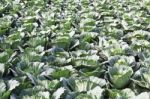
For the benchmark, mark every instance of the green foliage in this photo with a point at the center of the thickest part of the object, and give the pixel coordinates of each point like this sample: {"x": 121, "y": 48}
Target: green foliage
{"x": 74, "y": 49}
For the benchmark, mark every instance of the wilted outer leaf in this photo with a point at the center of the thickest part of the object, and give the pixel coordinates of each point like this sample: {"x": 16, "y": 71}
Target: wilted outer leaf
{"x": 144, "y": 95}
{"x": 12, "y": 84}
{"x": 2, "y": 87}
{"x": 96, "y": 92}
{"x": 2, "y": 69}
{"x": 58, "y": 93}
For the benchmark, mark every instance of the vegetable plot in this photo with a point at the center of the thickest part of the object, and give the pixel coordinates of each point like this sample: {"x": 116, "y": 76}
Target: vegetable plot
{"x": 74, "y": 49}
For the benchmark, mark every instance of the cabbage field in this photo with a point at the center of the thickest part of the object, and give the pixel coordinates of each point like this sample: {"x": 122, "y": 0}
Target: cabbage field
{"x": 74, "y": 49}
